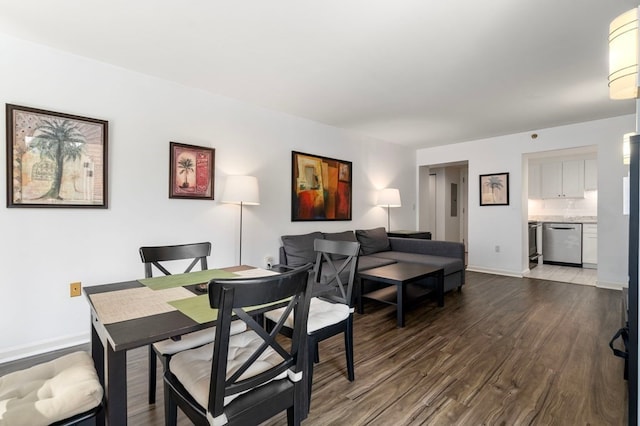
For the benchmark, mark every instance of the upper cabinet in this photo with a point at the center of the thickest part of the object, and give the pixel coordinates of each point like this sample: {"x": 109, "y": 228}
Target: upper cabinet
{"x": 565, "y": 175}
{"x": 562, "y": 179}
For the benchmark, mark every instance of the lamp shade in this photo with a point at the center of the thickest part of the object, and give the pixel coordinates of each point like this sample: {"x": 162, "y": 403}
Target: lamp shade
{"x": 389, "y": 197}
{"x": 241, "y": 189}
{"x": 623, "y": 56}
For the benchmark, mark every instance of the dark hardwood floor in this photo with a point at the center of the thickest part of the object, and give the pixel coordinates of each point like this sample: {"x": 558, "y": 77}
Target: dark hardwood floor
{"x": 504, "y": 351}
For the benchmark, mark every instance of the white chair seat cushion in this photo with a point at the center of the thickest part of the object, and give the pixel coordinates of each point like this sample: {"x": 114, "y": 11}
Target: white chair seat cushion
{"x": 193, "y": 367}
{"x": 321, "y": 314}
{"x": 49, "y": 392}
{"x": 195, "y": 339}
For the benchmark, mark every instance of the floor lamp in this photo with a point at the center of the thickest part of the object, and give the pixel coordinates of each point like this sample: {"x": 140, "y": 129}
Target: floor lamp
{"x": 623, "y": 84}
{"x": 389, "y": 197}
{"x": 241, "y": 190}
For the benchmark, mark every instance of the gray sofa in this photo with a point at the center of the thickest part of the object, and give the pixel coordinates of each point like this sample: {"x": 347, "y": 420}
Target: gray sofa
{"x": 378, "y": 250}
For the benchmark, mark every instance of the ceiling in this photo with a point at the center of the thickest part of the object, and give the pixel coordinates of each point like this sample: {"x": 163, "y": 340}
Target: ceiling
{"x": 414, "y": 72}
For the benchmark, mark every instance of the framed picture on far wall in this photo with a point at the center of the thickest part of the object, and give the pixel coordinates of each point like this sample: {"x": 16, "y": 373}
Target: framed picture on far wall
{"x": 55, "y": 159}
{"x": 494, "y": 189}
{"x": 191, "y": 171}
{"x": 320, "y": 188}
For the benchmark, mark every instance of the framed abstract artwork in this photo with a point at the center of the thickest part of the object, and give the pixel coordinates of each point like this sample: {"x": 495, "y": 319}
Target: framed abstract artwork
{"x": 320, "y": 188}
{"x": 494, "y": 189}
{"x": 191, "y": 171}
{"x": 55, "y": 159}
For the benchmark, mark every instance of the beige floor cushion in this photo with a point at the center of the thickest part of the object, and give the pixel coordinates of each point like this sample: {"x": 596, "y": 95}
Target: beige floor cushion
{"x": 49, "y": 392}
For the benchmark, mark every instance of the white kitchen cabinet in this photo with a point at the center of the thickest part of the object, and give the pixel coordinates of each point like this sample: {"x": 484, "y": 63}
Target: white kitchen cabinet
{"x": 534, "y": 182}
{"x": 590, "y": 175}
{"x": 562, "y": 179}
{"x": 589, "y": 245}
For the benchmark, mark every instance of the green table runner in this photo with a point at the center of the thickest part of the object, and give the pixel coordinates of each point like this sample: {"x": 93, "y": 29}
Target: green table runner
{"x": 181, "y": 280}
{"x": 198, "y": 309}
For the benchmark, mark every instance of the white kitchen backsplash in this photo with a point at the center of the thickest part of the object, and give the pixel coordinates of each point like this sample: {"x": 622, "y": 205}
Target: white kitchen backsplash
{"x": 567, "y": 207}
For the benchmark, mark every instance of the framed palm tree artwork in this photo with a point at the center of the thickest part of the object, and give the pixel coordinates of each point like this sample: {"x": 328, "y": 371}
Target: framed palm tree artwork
{"x": 494, "y": 189}
{"x": 191, "y": 171}
{"x": 55, "y": 159}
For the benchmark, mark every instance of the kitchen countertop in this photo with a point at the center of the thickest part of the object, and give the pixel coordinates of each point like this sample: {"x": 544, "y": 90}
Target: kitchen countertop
{"x": 564, "y": 219}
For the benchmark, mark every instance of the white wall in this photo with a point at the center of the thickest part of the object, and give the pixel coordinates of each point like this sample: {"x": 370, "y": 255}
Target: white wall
{"x": 505, "y": 226}
{"x": 44, "y": 250}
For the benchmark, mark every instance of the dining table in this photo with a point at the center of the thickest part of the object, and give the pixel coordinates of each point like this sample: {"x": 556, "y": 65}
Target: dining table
{"x": 131, "y": 314}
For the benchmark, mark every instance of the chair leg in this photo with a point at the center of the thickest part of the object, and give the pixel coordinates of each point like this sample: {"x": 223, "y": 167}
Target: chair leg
{"x": 316, "y": 352}
{"x": 312, "y": 344}
{"x": 293, "y": 417}
{"x": 348, "y": 348}
{"x": 170, "y": 407}
{"x": 152, "y": 375}
{"x": 268, "y": 325}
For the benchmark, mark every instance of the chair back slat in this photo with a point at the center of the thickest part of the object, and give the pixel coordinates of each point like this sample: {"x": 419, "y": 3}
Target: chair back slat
{"x": 154, "y": 256}
{"x": 336, "y": 267}
{"x": 231, "y": 297}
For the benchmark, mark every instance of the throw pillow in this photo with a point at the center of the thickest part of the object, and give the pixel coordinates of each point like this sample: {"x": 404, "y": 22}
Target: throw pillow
{"x": 373, "y": 240}
{"x": 299, "y": 248}
{"x": 340, "y": 236}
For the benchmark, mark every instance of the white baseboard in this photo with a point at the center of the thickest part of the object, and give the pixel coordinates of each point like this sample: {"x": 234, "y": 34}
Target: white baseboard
{"x": 610, "y": 285}
{"x": 19, "y": 352}
{"x": 494, "y": 271}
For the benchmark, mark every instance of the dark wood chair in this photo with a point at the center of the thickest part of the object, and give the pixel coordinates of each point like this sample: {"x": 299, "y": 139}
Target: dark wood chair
{"x": 331, "y": 312}
{"x": 156, "y": 257}
{"x": 249, "y": 377}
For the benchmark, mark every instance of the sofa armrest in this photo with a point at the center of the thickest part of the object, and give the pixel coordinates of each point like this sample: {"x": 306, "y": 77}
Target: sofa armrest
{"x": 279, "y": 267}
{"x": 431, "y": 247}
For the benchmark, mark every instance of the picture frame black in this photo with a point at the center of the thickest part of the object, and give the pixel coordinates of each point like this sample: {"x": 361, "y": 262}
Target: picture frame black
{"x": 494, "y": 189}
{"x": 56, "y": 160}
{"x": 191, "y": 171}
{"x": 321, "y": 188}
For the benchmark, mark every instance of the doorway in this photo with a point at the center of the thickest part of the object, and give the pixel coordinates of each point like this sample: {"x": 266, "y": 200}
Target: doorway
{"x": 573, "y": 210}
{"x": 443, "y": 199}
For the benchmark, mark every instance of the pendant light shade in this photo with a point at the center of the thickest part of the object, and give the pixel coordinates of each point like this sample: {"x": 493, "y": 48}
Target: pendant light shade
{"x": 623, "y": 56}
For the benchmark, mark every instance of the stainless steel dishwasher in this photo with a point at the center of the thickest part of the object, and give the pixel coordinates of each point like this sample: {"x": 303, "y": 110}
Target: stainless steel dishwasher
{"x": 562, "y": 243}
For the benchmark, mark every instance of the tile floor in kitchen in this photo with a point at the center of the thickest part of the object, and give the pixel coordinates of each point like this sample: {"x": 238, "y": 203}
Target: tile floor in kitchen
{"x": 566, "y": 274}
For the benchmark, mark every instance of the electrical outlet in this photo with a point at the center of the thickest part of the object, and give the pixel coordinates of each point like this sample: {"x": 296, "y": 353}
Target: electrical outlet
{"x": 497, "y": 249}
{"x": 75, "y": 289}
{"x": 268, "y": 262}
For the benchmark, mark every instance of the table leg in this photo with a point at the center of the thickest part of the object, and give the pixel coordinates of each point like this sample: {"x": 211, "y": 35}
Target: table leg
{"x": 97, "y": 353}
{"x": 111, "y": 367}
{"x": 401, "y": 289}
{"x": 359, "y": 291}
{"x": 116, "y": 387}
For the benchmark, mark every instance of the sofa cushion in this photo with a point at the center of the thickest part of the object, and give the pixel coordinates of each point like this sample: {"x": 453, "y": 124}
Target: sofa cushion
{"x": 450, "y": 264}
{"x": 372, "y": 240}
{"x": 369, "y": 262}
{"x": 299, "y": 248}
